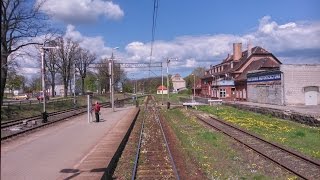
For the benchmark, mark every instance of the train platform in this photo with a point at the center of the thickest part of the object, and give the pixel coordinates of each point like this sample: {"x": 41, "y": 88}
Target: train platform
{"x": 72, "y": 149}
{"x": 302, "y": 109}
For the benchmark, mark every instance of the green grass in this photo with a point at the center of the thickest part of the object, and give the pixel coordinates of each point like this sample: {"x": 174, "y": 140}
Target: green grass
{"x": 173, "y": 98}
{"x": 17, "y": 111}
{"x": 211, "y": 150}
{"x": 302, "y": 138}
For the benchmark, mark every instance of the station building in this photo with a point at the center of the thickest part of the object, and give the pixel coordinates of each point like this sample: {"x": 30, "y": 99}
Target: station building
{"x": 178, "y": 83}
{"x": 292, "y": 84}
{"x": 228, "y": 79}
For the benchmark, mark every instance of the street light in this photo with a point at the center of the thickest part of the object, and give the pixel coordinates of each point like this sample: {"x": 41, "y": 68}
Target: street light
{"x": 111, "y": 63}
{"x": 42, "y": 49}
{"x": 168, "y": 89}
{"x": 74, "y": 85}
{"x": 161, "y": 84}
{"x": 194, "y": 87}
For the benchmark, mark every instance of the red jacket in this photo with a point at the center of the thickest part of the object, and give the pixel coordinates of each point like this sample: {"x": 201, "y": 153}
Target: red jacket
{"x": 96, "y": 108}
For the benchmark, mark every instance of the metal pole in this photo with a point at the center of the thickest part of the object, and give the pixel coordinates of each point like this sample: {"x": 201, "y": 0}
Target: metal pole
{"x": 168, "y": 78}
{"x": 112, "y": 85}
{"x": 89, "y": 108}
{"x": 133, "y": 85}
{"x": 74, "y": 85}
{"x": 43, "y": 82}
{"x": 161, "y": 84}
{"x": 194, "y": 87}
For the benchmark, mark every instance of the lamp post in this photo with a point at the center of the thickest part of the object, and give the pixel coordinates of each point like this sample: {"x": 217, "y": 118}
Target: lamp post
{"x": 42, "y": 49}
{"x": 168, "y": 89}
{"x": 194, "y": 87}
{"x": 212, "y": 89}
{"x": 74, "y": 86}
{"x": 161, "y": 84}
{"x": 111, "y": 73}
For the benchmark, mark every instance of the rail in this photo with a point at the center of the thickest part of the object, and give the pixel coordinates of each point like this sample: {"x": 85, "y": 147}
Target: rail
{"x": 302, "y": 166}
{"x": 155, "y": 164}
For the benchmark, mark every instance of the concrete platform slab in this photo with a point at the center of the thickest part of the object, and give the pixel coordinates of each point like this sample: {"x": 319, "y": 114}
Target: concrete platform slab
{"x": 52, "y": 153}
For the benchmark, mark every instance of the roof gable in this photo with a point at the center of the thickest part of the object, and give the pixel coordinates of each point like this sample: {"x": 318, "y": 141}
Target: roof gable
{"x": 162, "y": 87}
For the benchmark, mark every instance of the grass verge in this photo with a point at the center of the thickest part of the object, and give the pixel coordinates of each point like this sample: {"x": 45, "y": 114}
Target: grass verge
{"x": 17, "y": 111}
{"x": 215, "y": 153}
{"x": 174, "y": 98}
{"x": 299, "y": 137}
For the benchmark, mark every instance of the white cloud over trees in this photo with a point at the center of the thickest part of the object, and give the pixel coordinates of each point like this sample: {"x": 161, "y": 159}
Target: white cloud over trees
{"x": 291, "y": 42}
{"x": 81, "y": 11}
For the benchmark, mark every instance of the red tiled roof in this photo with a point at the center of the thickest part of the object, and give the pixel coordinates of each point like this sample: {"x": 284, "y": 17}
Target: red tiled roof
{"x": 263, "y": 63}
{"x": 162, "y": 87}
{"x": 256, "y": 51}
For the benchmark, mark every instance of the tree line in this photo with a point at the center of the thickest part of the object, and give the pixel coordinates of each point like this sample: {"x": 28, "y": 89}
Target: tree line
{"x": 22, "y": 23}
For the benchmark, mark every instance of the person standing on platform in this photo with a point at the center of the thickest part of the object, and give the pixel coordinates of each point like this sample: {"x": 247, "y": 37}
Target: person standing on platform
{"x": 97, "y": 110}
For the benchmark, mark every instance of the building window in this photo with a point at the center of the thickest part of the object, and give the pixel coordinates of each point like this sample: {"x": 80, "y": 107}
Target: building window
{"x": 222, "y": 93}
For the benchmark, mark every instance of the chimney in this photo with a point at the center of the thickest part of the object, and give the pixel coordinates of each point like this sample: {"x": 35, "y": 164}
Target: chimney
{"x": 237, "y": 51}
{"x": 249, "y": 48}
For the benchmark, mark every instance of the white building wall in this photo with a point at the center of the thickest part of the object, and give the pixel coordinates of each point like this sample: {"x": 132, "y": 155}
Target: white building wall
{"x": 178, "y": 82}
{"x": 296, "y": 78}
{"x": 164, "y": 92}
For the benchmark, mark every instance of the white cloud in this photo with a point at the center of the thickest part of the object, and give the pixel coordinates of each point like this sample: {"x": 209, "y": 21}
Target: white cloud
{"x": 191, "y": 63}
{"x": 93, "y": 44}
{"x": 291, "y": 42}
{"x": 289, "y": 36}
{"x": 81, "y": 11}
{"x": 294, "y": 39}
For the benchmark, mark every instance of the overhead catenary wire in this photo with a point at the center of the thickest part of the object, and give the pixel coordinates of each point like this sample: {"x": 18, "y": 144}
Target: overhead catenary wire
{"x": 153, "y": 30}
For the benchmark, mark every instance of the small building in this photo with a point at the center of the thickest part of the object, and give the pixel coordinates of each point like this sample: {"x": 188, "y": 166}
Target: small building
{"x": 292, "y": 84}
{"x": 162, "y": 90}
{"x": 178, "y": 83}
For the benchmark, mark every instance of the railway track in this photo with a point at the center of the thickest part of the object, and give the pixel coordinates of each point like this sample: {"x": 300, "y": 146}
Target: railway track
{"x": 153, "y": 157}
{"x": 294, "y": 162}
{"x": 17, "y": 127}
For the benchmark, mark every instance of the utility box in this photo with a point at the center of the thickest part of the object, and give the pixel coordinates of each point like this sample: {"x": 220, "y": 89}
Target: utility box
{"x": 45, "y": 117}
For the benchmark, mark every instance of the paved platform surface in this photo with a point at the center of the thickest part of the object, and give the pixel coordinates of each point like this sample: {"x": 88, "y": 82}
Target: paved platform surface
{"x": 50, "y": 152}
{"x": 308, "y": 110}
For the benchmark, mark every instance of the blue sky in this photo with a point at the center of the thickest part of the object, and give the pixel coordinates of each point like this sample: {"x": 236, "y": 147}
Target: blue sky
{"x": 178, "y": 18}
{"x": 198, "y": 33}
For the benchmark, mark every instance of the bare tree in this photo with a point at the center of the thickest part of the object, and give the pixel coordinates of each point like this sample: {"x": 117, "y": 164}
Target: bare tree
{"x": 20, "y": 21}
{"x": 66, "y": 58}
{"x": 51, "y": 64}
{"x": 103, "y": 74}
{"x": 35, "y": 84}
{"x": 83, "y": 60}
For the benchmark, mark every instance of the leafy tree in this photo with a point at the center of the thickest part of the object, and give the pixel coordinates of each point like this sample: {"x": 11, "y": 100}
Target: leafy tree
{"x": 126, "y": 87}
{"x": 16, "y": 81}
{"x": 91, "y": 82}
{"x": 195, "y": 76}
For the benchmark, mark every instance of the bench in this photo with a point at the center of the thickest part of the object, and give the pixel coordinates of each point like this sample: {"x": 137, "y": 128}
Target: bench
{"x": 191, "y": 104}
{"x": 214, "y": 101}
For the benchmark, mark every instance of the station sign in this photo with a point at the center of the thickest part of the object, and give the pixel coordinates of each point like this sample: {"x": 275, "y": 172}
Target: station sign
{"x": 264, "y": 76}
